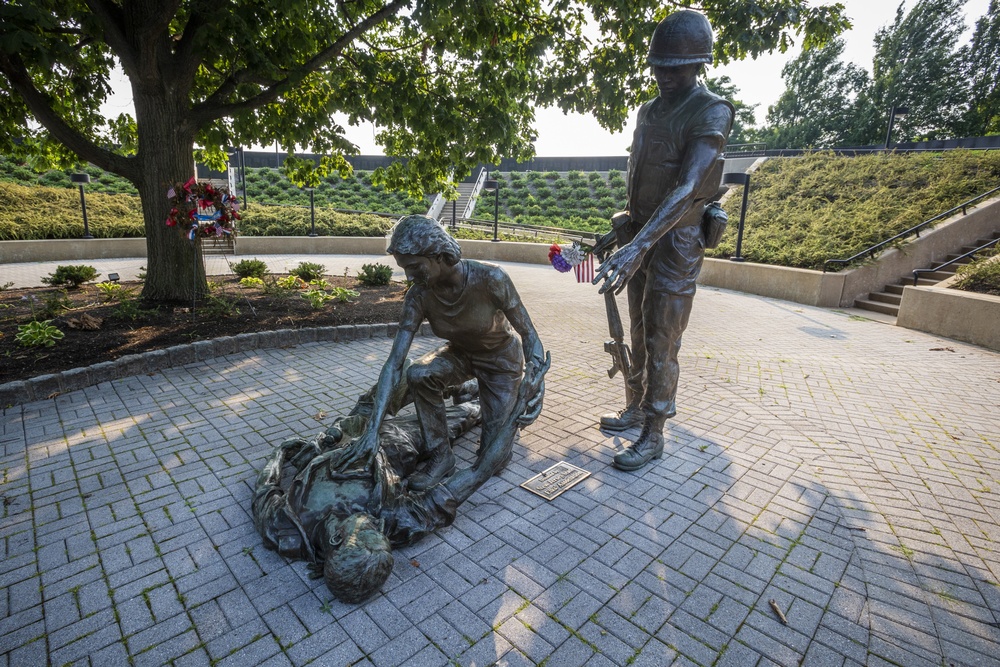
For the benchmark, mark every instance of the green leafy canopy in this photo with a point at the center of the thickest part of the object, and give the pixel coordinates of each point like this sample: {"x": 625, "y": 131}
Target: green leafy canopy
{"x": 451, "y": 85}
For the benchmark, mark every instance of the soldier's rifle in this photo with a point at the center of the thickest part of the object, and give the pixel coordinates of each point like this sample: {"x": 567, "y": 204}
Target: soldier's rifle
{"x": 621, "y": 355}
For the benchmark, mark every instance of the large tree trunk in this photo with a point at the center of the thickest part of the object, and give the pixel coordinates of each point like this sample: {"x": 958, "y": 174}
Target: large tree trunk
{"x": 174, "y": 269}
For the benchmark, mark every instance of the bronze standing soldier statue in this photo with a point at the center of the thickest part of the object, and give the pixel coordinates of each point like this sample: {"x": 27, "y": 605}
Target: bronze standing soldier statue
{"x": 674, "y": 171}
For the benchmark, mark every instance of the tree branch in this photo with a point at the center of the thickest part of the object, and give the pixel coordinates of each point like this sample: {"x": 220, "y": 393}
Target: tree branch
{"x": 185, "y": 60}
{"x": 209, "y": 111}
{"x": 112, "y": 21}
{"x": 13, "y": 68}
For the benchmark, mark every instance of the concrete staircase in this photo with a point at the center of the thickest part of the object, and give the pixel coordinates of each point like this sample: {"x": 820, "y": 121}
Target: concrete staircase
{"x": 887, "y": 301}
{"x": 215, "y": 245}
{"x": 464, "y": 194}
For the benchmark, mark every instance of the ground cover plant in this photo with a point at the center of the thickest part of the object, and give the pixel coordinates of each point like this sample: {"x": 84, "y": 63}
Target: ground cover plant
{"x": 820, "y": 206}
{"x": 982, "y": 275}
{"x": 45, "y": 212}
{"x": 583, "y": 201}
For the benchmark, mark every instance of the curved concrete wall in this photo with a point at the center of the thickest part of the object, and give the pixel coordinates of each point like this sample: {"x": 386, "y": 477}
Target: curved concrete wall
{"x": 12, "y": 252}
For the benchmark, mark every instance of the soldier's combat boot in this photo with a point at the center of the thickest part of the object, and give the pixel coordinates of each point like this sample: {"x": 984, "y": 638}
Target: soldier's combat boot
{"x": 649, "y": 446}
{"x": 623, "y": 419}
{"x": 438, "y": 466}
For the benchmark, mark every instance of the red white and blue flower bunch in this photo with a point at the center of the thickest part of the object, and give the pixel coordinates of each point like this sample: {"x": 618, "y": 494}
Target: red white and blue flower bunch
{"x": 573, "y": 257}
{"x": 201, "y": 209}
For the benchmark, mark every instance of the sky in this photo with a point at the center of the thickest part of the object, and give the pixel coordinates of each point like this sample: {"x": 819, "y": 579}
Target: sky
{"x": 759, "y": 82}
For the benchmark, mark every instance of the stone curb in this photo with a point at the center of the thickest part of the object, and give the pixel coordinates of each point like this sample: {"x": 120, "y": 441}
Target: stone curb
{"x": 44, "y": 387}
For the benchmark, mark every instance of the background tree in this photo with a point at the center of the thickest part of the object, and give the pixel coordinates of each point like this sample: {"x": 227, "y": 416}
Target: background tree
{"x": 981, "y": 65}
{"x": 743, "y": 124}
{"x": 917, "y": 65}
{"x": 452, "y": 85}
{"x": 819, "y": 106}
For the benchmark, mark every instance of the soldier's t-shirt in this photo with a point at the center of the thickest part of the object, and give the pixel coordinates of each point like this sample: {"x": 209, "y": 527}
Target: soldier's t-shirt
{"x": 474, "y": 323}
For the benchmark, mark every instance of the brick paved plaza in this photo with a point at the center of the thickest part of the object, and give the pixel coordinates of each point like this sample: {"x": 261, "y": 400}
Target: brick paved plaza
{"x": 846, "y": 469}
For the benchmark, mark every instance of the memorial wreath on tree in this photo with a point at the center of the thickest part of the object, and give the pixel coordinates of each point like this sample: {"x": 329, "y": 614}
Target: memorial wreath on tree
{"x": 202, "y": 210}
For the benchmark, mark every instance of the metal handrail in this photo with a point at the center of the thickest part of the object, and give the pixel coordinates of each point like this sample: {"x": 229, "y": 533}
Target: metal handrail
{"x": 915, "y": 229}
{"x": 917, "y": 272}
{"x": 734, "y": 149}
{"x": 574, "y": 234}
{"x": 470, "y": 205}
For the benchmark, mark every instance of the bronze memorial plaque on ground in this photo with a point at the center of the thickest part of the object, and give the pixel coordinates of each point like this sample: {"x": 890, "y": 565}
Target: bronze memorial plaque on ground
{"x": 555, "y": 480}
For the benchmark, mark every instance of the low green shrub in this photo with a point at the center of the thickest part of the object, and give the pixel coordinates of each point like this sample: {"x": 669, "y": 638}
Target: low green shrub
{"x": 129, "y": 308}
{"x": 308, "y": 271}
{"x": 251, "y": 281}
{"x": 279, "y": 221}
{"x": 71, "y": 274}
{"x": 250, "y": 268}
{"x": 374, "y": 275}
{"x": 219, "y": 306}
{"x": 56, "y": 303}
{"x": 111, "y": 291}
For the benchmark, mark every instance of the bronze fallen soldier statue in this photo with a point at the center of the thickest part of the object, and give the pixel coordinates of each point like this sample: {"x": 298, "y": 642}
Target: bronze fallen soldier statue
{"x": 370, "y": 481}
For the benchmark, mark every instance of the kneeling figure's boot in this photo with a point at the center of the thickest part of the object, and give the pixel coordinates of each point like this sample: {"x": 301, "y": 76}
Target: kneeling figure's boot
{"x": 649, "y": 446}
{"x": 438, "y": 466}
{"x": 623, "y": 419}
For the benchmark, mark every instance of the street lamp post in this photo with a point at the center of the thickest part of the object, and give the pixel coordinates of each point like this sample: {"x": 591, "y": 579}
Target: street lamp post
{"x": 312, "y": 211}
{"x": 494, "y": 187}
{"x": 80, "y": 179}
{"x": 894, "y": 113}
{"x": 739, "y": 178}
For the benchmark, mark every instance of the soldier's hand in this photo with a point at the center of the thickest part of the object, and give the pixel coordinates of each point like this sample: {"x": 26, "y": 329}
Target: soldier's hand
{"x": 616, "y": 271}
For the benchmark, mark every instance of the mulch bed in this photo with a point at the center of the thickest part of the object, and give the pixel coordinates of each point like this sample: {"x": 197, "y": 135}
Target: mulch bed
{"x": 232, "y": 310}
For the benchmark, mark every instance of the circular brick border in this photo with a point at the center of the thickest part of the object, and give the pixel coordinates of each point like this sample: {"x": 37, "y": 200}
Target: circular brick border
{"x": 45, "y": 387}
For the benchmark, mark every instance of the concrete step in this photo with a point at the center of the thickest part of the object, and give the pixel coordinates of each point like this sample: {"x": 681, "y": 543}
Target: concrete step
{"x": 897, "y": 288}
{"x": 217, "y": 246}
{"x": 877, "y": 306}
{"x": 885, "y": 297}
{"x": 938, "y": 275}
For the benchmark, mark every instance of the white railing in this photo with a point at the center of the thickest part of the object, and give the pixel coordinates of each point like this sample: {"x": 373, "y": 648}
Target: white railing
{"x": 470, "y": 206}
{"x": 436, "y": 206}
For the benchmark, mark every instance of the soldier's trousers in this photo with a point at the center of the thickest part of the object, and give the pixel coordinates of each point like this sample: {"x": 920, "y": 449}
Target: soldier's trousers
{"x": 660, "y": 297}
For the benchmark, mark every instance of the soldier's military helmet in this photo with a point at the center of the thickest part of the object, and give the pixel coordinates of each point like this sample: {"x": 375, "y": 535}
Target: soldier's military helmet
{"x": 683, "y": 38}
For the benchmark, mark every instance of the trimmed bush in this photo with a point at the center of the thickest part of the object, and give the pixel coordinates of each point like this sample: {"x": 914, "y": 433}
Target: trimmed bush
{"x": 308, "y": 271}
{"x": 73, "y": 275}
{"x": 250, "y": 268}
{"x": 375, "y": 274}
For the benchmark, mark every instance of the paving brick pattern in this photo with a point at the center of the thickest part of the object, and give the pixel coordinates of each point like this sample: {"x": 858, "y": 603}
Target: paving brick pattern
{"x": 844, "y": 469}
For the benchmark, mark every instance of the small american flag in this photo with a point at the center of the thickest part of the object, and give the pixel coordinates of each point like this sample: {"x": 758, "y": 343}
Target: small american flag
{"x": 585, "y": 270}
